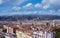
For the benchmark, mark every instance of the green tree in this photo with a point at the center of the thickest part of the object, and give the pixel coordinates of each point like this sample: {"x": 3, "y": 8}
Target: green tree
{"x": 1, "y": 27}
{"x": 57, "y": 34}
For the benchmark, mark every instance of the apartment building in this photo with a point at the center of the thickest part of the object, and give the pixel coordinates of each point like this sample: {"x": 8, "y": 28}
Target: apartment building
{"x": 42, "y": 34}
{"x": 30, "y": 30}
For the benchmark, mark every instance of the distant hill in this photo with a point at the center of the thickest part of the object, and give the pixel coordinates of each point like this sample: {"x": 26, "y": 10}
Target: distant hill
{"x": 28, "y": 17}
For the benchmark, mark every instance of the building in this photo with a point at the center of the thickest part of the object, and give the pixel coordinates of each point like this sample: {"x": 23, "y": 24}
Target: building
{"x": 23, "y": 33}
{"x": 33, "y": 30}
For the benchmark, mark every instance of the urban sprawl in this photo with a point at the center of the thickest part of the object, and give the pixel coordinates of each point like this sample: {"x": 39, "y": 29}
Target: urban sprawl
{"x": 28, "y": 29}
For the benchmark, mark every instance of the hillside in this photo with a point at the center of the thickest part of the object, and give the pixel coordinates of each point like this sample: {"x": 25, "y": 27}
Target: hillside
{"x": 28, "y": 17}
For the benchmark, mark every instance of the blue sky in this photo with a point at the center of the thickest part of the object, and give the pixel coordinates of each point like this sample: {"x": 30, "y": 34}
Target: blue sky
{"x": 26, "y": 7}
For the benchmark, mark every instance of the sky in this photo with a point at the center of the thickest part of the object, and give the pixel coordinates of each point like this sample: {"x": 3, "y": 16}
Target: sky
{"x": 28, "y": 7}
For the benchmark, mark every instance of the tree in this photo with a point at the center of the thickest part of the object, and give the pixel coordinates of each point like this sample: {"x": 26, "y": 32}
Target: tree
{"x": 1, "y": 27}
{"x": 2, "y": 36}
{"x": 57, "y": 34}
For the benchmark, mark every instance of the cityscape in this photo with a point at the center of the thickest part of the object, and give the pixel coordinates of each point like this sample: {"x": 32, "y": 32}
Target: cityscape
{"x": 29, "y": 18}
{"x": 29, "y": 29}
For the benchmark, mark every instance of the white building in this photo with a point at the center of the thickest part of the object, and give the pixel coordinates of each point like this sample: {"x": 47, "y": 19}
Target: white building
{"x": 42, "y": 34}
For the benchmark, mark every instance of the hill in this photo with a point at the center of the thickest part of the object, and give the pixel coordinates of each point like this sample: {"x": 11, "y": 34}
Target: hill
{"x": 29, "y": 17}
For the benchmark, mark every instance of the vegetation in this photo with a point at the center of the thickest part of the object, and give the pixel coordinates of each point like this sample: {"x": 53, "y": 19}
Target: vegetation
{"x": 1, "y": 27}
{"x": 57, "y": 33}
{"x": 2, "y": 37}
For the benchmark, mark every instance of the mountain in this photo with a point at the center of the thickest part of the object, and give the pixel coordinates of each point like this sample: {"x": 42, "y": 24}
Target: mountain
{"x": 29, "y": 17}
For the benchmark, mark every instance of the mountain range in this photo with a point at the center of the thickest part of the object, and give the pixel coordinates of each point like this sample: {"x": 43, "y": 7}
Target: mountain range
{"x": 29, "y": 17}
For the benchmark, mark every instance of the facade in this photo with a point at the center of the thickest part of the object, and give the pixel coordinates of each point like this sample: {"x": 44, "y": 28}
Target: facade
{"x": 10, "y": 30}
{"x": 29, "y": 30}
{"x": 1, "y": 29}
{"x": 36, "y": 34}
{"x": 21, "y": 34}
{"x": 7, "y": 35}
{"x": 42, "y": 34}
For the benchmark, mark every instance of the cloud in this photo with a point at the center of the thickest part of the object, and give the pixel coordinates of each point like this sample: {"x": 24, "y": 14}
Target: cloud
{"x": 18, "y": 2}
{"x": 59, "y": 10}
{"x": 46, "y": 6}
{"x": 16, "y": 8}
{"x": 54, "y": 4}
{"x": 24, "y": 12}
{"x": 12, "y": 2}
{"x": 38, "y": 5}
{"x": 4, "y": 1}
{"x": 52, "y": 11}
{"x": 31, "y": 6}
{"x": 28, "y": 6}
{"x": 1, "y": 1}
